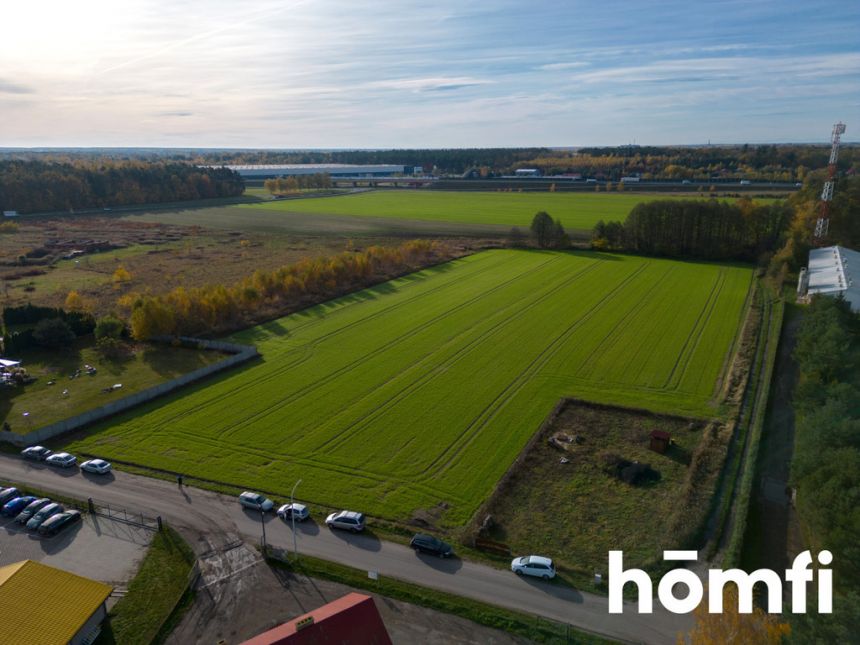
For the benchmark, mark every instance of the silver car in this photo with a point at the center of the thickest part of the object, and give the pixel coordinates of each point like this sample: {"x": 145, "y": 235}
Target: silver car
{"x": 96, "y": 466}
{"x": 256, "y": 501}
{"x": 61, "y": 459}
{"x": 346, "y": 520}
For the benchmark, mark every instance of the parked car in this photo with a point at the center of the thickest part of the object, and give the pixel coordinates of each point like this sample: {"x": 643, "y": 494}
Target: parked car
{"x": 42, "y": 514}
{"x": 256, "y": 501}
{"x": 59, "y": 522}
{"x": 16, "y": 505}
{"x": 61, "y": 459}
{"x": 36, "y": 453}
{"x": 533, "y": 565}
{"x": 432, "y": 545}
{"x": 300, "y": 511}
{"x": 8, "y": 494}
{"x": 96, "y": 466}
{"x": 31, "y": 509}
{"x": 347, "y": 520}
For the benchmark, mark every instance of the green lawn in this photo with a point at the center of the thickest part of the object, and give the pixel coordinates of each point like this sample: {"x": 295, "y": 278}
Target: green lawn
{"x": 419, "y": 393}
{"x": 148, "y": 366}
{"x": 579, "y": 211}
{"x": 154, "y": 592}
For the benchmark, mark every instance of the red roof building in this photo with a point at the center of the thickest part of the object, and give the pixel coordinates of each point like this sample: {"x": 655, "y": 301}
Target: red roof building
{"x": 351, "y": 620}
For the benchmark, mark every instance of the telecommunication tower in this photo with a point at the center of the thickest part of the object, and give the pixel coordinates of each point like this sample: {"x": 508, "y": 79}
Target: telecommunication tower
{"x": 822, "y": 225}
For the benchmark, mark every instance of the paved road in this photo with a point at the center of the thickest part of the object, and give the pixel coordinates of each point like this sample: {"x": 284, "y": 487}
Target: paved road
{"x": 217, "y": 520}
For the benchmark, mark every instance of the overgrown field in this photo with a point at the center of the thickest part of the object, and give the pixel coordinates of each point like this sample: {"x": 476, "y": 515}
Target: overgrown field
{"x": 579, "y": 509}
{"x": 577, "y": 211}
{"x": 418, "y": 393}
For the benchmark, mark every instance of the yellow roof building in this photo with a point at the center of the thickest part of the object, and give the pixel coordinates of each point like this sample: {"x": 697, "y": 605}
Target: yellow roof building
{"x": 42, "y": 605}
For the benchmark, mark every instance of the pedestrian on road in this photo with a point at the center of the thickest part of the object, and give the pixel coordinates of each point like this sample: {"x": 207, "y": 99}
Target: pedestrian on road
{"x": 179, "y": 480}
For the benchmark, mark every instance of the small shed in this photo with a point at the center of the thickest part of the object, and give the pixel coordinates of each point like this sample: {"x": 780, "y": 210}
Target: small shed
{"x": 660, "y": 440}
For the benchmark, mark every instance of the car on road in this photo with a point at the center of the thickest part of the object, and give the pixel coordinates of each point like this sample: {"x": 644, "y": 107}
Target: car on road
{"x": 298, "y": 511}
{"x": 31, "y": 509}
{"x": 59, "y": 522}
{"x": 36, "y": 453}
{"x": 8, "y": 494}
{"x": 61, "y": 459}
{"x": 42, "y": 514}
{"x": 346, "y": 520}
{"x": 428, "y": 544}
{"x": 16, "y": 505}
{"x": 256, "y": 501}
{"x": 96, "y": 466}
{"x": 533, "y": 565}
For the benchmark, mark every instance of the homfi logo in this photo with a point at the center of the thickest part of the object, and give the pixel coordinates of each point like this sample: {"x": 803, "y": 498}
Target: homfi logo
{"x": 798, "y": 576}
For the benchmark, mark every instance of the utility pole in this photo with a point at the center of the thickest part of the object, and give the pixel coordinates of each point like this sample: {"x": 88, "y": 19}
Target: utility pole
{"x": 293, "y": 518}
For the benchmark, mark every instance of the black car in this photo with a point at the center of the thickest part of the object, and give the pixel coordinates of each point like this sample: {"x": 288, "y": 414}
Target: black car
{"x": 429, "y": 544}
{"x": 8, "y": 494}
{"x": 57, "y": 523}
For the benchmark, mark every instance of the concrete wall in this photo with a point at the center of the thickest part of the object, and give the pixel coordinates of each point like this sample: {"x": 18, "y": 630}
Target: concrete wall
{"x": 239, "y": 354}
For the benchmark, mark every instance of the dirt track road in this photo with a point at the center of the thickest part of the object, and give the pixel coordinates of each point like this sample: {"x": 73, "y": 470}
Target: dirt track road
{"x": 216, "y": 521}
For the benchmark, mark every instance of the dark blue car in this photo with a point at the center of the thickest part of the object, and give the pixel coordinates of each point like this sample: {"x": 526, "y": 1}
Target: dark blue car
{"x": 16, "y": 505}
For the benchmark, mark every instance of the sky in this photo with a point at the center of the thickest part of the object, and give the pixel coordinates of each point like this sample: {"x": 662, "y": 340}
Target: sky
{"x": 429, "y": 74}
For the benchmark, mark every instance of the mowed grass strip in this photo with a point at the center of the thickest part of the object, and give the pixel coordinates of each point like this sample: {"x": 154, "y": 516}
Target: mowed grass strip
{"x": 421, "y": 391}
{"x": 577, "y": 211}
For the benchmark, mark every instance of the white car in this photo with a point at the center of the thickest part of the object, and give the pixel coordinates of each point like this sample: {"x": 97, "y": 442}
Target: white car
{"x": 346, "y": 520}
{"x": 299, "y": 511}
{"x": 36, "y": 453}
{"x": 96, "y": 466}
{"x": 533, "y": 565}
{"x": 61, "y": 459}
{"x": 256, "y": 501}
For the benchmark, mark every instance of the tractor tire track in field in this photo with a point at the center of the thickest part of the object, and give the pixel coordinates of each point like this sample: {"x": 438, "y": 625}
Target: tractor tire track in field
{"x": 692, "y": 340}
{"x": 361, "y": 360}
{"x": 430, "y": 375}
{"x": 282, "y": 369}
{"x": 602, "y": 346}
{"x": 504, "y": 397}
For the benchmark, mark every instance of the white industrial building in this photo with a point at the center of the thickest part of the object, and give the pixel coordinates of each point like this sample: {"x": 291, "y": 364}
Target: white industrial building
{"x": 263, "y": 171}
{"x": 832, "y": 271}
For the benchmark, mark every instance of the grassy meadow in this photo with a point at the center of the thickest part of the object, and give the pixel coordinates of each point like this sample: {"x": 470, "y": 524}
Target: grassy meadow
{"x": 577, "y": 211}
{"x": 419, "y": 393}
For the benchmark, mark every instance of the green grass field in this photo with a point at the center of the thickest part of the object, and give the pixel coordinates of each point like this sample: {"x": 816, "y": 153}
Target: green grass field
{"x": 421, "y": 391}
{"x": 579, "y": 211}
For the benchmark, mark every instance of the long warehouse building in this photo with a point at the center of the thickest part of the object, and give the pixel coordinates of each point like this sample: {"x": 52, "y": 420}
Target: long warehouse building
{"x": 832, "y": 271}
{"x": 267, "y": 171}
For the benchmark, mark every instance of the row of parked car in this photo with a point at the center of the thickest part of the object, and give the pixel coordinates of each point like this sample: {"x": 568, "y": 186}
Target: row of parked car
{"x": 65, "y": 460}
{"x": 38, "y": 514}
{"x": 529, "y": 565}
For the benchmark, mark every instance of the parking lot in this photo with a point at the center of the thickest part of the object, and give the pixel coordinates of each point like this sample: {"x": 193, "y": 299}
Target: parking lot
{"x": 98, "y": 548}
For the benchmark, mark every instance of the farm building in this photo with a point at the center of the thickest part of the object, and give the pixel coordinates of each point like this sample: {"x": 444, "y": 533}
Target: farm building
{"x": 832, "y": 271}
{"x": 333, "y": 169}
{"x": 42, "y": 604}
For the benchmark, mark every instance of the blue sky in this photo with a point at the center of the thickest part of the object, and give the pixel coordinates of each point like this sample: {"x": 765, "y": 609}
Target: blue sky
{"x": 340, "y": 73}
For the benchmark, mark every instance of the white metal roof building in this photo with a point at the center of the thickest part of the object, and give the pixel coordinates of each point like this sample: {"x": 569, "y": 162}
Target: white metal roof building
{"x": 835, "y": 270}
{"x": 334, "y": 169}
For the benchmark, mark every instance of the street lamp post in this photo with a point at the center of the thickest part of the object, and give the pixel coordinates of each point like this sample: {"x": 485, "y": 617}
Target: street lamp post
{"x": 263, "y": 524}
{"x": 293, "y": 518}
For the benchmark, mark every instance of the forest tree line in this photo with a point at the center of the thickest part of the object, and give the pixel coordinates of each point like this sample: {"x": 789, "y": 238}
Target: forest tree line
{"x": 218, "y": 308}
{"x": 45, "y": 186}
{"x": 295, "y": 183}
{"x": 695, "y": 228}
{"x": 825, "y": 467}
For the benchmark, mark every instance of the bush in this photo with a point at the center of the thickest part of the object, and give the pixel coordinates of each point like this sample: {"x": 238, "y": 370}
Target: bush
{"x": 109, "y": 327}
{"x": 54, "y": 333}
